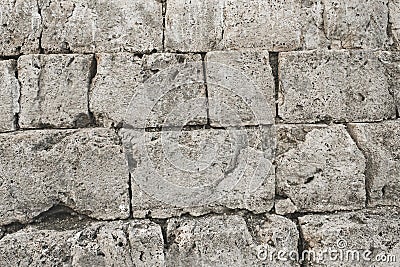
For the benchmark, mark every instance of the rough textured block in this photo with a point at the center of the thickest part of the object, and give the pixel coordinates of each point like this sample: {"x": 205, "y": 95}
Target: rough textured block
{"x": 367, "y": 234}
{"x": 132, "y": 243}
{"x": 199, "y": 171}
{"x": 54, "y": 90}
{"x": 394, "y": 20}
{"x": 84, "y": 170}
{"x": 193, "y": 25}
{"x": 240, "y": 88}
{"x": 101, "y": 26}
{"x": 381, "y": 146}
{"x": 20, "y": 27}
{"x": 319, "y": 168}
{"x": 334, "y": 85}
{"x": 228, "y": 240}
{"x": 126, "y": 89}
{"x": 9, "y": 95}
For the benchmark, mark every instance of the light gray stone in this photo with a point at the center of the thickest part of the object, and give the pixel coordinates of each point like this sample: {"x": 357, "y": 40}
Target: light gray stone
{"x": 394, "y": 20}
{"x": 9, "y": 95}
{"x": 320, "y": 168}
{"x": 20, "y": 27}
{"x": 240, "y": 88}
{"x": 337, "y": 239}
{"x": 229, "y": 240}
{"x": 131, "y": 243}
{"x": 101, "y": 26}
{"x": 54, "y": 90}
{"x": 198, "y": 171}
{"x": 334, "y": 85}
{"x": 284, "y": 206}
{"x": 380, "y": 144}
{"x": 82, "y": 169}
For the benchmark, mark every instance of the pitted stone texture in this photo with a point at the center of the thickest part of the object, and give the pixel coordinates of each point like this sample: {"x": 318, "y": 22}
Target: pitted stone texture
{"x": 228, "y": 240}
{"x": 240, "y": 88}
{"x": 334, "y": 85}
{"x": 9, "y": 95}
{"x": 193, "y": 25}
{"x": 20, "y": 27}
{"x": 101, "y": 26}
{"x": 319, "y": 168}
{"x": 374, "y": 231}
{"x": 380, "y": 144}
{"x": 394, "y": 20}
{"x": 133, "y": 243}
{"x": 82, "y": 169}
{"x": 129, "y": 89}
{"x": 54, "y": 90}
{"x": 200, "y": 171}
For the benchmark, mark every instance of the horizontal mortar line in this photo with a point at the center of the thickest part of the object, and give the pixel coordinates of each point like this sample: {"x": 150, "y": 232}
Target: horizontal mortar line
{"x": 334, "y": 123}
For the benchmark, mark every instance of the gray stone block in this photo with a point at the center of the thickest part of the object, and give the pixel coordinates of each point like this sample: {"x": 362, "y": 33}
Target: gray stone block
{"x": 9, "y": 95}
{"x": 394, "y": 22}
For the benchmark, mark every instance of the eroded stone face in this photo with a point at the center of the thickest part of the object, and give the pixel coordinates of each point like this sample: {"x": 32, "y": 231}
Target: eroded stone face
{"x": 54, "y": 90}
{"x": 320, "y": 168}
{"x": 9, "y": 95}
{"x": 350, "y": 86}
{"x": 394, "y": 20}
{"x": 82, "y": 169}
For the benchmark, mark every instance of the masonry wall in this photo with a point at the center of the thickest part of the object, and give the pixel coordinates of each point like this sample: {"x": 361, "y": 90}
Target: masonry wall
{"x": 199, "y": 132}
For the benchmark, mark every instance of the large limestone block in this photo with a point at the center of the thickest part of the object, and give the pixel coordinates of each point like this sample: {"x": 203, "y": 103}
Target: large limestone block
{"x": 101, "y": 26}
{"x": 9, "y": 95}
{"x": 54, "y": 90}
{"x": 394, "y": 20}
{"x": 82, "y": 169}
{"x": 380, "y": 144}
{"x": 230, "y": 241}
{"x": 334, "y": 85}
{"x": 364, "y": 238}
{"x": 20, "y": 27}
{"x": 319, "y": 168}
{"x": 198, "y": 171}
{"x": 130, "y": 243}
{"x": 240, "y": 88}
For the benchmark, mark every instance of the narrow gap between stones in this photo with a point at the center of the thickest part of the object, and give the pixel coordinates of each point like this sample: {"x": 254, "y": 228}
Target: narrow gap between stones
{"x": 92, "y": 75}
{"x": 16, "y": 115}
{"x": 274, "y": 63}
{"x": 130, "y": 195}
{"x": 41, "y": 50}
{"x": 164, "y": 12}
{"x": 204, "y": 63}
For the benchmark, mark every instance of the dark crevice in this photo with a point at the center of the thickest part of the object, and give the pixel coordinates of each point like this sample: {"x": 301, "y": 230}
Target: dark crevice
{"x": 41, "y": 50}
{"x": 92, "y": 75}
{"x": 204, "y": 63}
{"x": 9, "y": 57}
{"x": 274, "y": 63}
{"x": 164, "y": 11}
{"x": 16, "y": 115}
{"x": 130, "y": 195}
{"x": 302, "y": 244}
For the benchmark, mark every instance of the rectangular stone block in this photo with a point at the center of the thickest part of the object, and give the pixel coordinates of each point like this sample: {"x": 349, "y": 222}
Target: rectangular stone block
{"x": 334, "y": 85}
{"x": 240, "y": 88}
{"x": 54, "y": 90}
{"x": 20, "y": 27}
{"x": 82, "y": 169}
{"x": 101, "y": 26}
{"x": 9, "y": 95}
{"x": 200, "y": 171}
{"x": 394, "y": 22}
{"x": 319, "y": 168}
{"x": 380, "y": 144}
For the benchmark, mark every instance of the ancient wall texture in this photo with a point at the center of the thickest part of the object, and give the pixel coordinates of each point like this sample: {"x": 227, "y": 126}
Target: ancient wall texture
{"x": 200, "y": 133}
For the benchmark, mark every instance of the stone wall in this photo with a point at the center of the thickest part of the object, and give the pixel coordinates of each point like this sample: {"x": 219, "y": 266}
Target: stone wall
{"x": 200, "y": 133}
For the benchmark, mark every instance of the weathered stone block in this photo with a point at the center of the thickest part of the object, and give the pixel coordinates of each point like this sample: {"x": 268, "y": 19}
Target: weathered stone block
{"x": 82, "y": 169}
{"x": 9, "y": 95}
{"x": 352, "y": 239}
{"x": 20, "y": 27}
{"x": 334, "y": 85}
{"x": 199, "y": 171}
{"x": 132, "y": 243}
{"x": 319, "y": 168}
{"x": 394, "y": 20}
{"x": 101, "y": 26}
{"x": 240, "y": 88}
{"x": 229, "y": 240}
{"x": 380, "y": 144}
{"x": 54, "y": 90}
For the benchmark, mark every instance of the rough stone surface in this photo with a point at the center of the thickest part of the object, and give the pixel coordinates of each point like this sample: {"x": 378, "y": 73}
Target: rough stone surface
{"x": 334, "y": 85}
{"x": 82, "y": 169}
{"x": 199, "y": 171}
{"x": 374, "y": 231}
{"x": 391, "y": 62}
{"x": 381, "y": 146}
{"x": 228, "y": 240}
{"x": 132, "y": 243}
{"x": 9, "y": 95}
{"x": 101, "y": 26}
{"x": 320, "y": 168}
{"x": 54, "y": 90}
{"x": 145, "y": 92}
{"x": 240, "y": 88}
{"x": 394, "y": 20}
{"x": 20, "y": 27}
{"x": 285, "y": 206}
